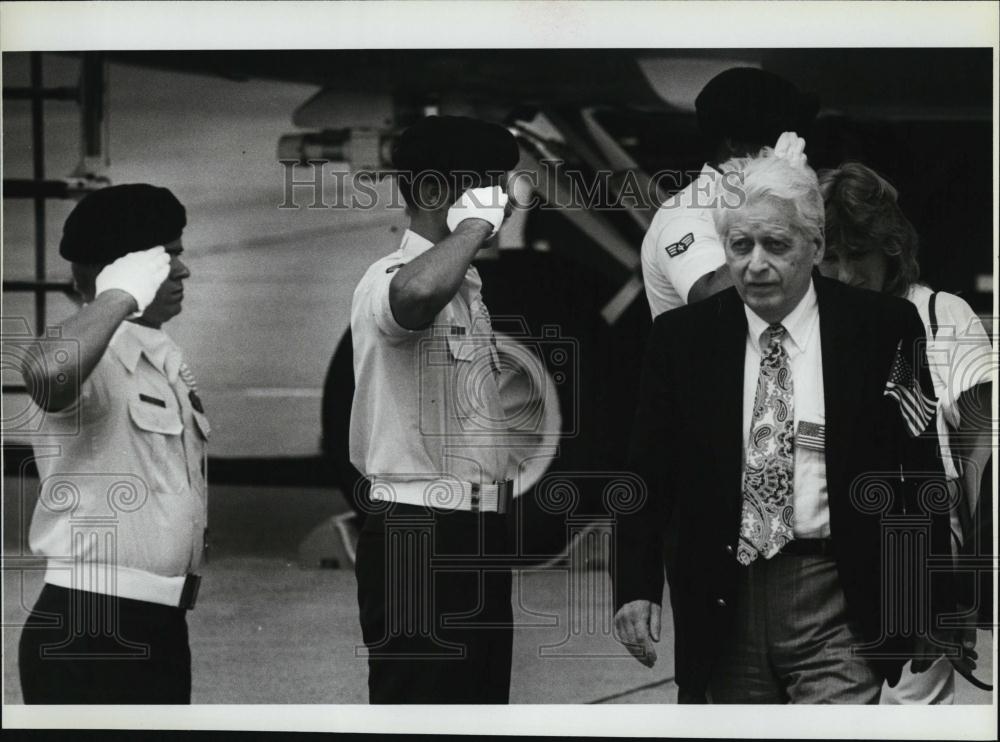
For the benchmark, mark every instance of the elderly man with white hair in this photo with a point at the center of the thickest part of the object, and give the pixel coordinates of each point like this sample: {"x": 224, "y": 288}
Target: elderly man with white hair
{"x": 779, "y": 434}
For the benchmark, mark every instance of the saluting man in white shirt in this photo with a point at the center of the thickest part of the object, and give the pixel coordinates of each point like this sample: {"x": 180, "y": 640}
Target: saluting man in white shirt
{"x": 427, "y": 430}
{"x": 740, "y": 111}
{"x": 121, "y": 513}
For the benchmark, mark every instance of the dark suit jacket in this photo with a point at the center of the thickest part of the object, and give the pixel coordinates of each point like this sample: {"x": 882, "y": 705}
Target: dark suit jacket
{"x": 687, "y": 447}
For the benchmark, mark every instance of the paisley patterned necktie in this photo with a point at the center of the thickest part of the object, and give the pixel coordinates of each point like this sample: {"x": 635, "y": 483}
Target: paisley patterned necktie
{"x": 766, "y": 522}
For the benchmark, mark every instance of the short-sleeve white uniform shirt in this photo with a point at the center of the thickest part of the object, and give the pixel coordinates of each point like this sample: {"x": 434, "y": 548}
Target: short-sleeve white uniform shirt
{"x": 426, "y": 402}
{"x": 681, "y": 245}
{"x": 123, "y": 475}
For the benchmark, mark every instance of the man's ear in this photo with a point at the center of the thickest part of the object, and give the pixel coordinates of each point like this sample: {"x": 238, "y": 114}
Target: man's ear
{"x": 820, "y": 251}
{"x": 433, "y": 194}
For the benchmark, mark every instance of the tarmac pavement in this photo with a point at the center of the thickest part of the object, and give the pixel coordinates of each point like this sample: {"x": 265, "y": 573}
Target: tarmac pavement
{"x": 268, "y": 631}
{"x": 271, "y": 629}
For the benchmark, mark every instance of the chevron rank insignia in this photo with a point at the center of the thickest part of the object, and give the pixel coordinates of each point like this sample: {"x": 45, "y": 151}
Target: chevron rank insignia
{"x": 681, "y": 245}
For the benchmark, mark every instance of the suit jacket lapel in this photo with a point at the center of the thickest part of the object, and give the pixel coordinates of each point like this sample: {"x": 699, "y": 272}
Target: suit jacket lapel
{"x": 729, "y": 333}
{"x": 844, "y": 367}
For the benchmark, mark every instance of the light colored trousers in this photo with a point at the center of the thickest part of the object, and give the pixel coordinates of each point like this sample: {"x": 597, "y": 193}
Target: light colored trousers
{"x": 936, "y": 685}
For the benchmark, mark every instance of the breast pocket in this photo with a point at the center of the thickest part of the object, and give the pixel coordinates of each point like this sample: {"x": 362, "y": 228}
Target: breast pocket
{"x": 461, "y": 346}
{"x": 474, "y": 384}
{"x": 156, "y": 432}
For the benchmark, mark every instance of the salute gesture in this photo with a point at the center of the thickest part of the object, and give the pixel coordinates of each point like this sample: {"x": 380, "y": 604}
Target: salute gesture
{"x": 488, "y": 204}
{"x": 138, "y": 274}
{"x": 790, "y": 146}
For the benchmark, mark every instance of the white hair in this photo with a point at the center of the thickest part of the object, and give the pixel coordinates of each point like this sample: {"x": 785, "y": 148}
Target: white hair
{"x": 768, "y": 176}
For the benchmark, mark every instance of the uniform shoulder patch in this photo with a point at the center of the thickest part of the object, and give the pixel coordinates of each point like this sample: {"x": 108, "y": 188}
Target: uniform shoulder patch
{"x": 681, "y": 245}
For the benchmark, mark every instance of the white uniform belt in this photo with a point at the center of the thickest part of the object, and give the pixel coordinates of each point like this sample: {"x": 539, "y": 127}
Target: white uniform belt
{"x": 125, "y": 582}
{"x": 446, "y": 494}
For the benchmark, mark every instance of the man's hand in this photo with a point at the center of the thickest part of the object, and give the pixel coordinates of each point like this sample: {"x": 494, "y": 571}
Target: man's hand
{"x": 791, "y": 147}
{"x": 926, "y": 653}
{"x": 488, "y": 204}
{"x": 964, "y": 663}
{"x": 138, "y": 274}
{"x": 637, "y": 625}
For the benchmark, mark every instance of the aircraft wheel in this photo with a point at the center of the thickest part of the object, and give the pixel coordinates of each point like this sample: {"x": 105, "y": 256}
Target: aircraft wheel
{"x": 568, "y": 385}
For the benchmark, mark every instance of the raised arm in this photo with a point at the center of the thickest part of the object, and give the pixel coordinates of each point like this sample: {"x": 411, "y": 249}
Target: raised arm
{"x": 126, "y": 286}
{"x": 421, "y": 288}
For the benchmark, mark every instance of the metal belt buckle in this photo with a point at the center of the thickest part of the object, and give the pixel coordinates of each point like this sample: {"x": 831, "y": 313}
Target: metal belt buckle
{"x": 189, "y": 594}
{"x": 505, "y": 495}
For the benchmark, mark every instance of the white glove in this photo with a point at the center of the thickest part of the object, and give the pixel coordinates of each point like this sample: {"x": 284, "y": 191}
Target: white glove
{"x": 791, "y": 147}
{"x": 486, "y": 203}
{"x": 138, "y": 273}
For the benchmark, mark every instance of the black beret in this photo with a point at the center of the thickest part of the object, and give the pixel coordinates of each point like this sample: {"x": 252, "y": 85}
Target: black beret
{"x": 753, "y": 106}
{"x": 452, "y": 144}
{"x": 117, "y": 220}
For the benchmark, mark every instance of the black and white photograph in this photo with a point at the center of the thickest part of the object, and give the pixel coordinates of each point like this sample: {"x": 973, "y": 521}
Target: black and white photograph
{"x": 355, "y": 356}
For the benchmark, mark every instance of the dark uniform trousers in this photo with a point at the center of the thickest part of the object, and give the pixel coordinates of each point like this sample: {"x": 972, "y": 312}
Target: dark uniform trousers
{"x": 85, "y": 648}
{"x": 434, "y": 589}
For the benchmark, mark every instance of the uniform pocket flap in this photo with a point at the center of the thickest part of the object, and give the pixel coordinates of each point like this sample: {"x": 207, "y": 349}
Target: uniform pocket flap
{"x": 155, "y": 419}
{"x": 462, "y": 346}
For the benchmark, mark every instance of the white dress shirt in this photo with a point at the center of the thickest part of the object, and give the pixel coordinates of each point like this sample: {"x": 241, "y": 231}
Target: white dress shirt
{"x": 802, "y": 343}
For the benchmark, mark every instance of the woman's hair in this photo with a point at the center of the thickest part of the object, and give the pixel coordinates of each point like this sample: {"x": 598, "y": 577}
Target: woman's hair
{"x": 753, "y": 179}
{"x": 862, "y": 215}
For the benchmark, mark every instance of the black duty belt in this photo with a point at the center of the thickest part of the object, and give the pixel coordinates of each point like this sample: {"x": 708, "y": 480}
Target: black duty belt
{"x": 189, "y": 594}
{"x": 808, "y": 547}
